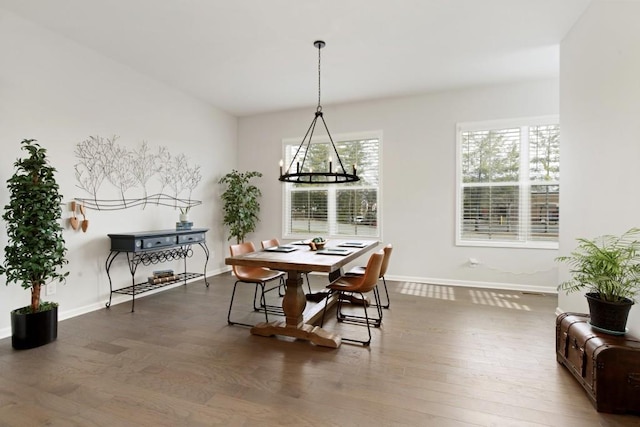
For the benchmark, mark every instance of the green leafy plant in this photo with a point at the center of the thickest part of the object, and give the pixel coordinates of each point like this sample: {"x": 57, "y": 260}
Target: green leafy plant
{"x": 241, "y": 205}
{"x": 607, "y": 265}
{"x": 36, "y": 249}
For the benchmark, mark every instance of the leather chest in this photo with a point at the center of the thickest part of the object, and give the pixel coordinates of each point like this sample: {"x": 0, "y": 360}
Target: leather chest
{"x": 607, "y": 366}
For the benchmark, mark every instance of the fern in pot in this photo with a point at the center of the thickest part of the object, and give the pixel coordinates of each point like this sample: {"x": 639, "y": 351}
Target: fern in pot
{"x": 608, "y": 269}
{"x": 36, "y": 248}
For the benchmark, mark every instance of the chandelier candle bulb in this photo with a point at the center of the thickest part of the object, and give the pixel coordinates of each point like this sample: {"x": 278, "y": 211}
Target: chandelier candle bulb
{"x": 281, "y": 164}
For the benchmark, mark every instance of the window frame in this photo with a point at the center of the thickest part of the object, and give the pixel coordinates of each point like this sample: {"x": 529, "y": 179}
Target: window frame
{"x": 332, "y": 189}
{"x": 524, "y": 182}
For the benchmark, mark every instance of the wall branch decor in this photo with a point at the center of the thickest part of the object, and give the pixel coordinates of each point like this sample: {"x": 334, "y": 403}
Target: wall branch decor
{"x": 101, "y": 159}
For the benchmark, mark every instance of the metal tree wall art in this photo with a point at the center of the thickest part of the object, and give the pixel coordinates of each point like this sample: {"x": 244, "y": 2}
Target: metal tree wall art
{"x": 102, "y": 159}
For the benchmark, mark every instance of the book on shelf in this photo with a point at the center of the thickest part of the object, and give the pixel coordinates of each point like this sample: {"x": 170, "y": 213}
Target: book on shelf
{"x": 184, "y": 225}
{"x": 163, "y": 273}
{"x": 155, "y": 280}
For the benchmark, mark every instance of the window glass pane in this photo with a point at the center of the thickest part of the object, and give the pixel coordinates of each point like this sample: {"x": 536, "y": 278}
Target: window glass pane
{"x": 308, "y": 213}
{"x": 491, "y": 156}
{"x": 545, "y": 212}
{"x": 357, "y": 212}
{"x": 364, "y": 155}
{"x": 354, "y": 206}
{"x": 544, "y": 153}
{"x": 490, "y": 212}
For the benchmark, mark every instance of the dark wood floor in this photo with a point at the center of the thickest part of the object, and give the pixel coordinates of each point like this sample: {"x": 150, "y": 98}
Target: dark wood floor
{"x": 445, "y": 356}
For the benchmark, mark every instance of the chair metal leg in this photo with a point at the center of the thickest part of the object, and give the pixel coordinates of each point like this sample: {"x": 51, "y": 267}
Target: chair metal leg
{"x": 324, "y": 311}
{"x": 273, "y": 309}
{"x": 255, "y": 297}
{"x": 263, "y": 306}
{"x": 386, "y": 291}
{"x": 308, "y": 282}
{"x": 282, "y": 287}
{"x": 342, "y": 317}
{"x": 264, "y": 303}
{"x": 379, "y": 307}
{"x": 233, "y": 294}
{"x": 368, "y": 322}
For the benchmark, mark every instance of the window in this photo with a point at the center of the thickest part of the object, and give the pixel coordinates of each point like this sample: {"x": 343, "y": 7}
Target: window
{"x": 339, "y": 210}
{"x": 508, "y": 183}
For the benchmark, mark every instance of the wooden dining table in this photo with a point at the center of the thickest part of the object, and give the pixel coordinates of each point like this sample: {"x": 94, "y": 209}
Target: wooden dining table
{"x": 302, "y": 259}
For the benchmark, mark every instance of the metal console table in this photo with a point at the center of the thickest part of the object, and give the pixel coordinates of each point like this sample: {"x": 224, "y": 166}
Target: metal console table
{"x": 154, "y": 247}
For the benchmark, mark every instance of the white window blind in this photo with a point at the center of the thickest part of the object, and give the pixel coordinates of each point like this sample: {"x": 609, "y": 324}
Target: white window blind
{"x": 508, "y": 182}
{"x": 340, "y": 210}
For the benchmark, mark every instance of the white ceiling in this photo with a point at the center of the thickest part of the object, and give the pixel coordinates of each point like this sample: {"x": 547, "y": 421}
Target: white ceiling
{"x": 254, "y": 56}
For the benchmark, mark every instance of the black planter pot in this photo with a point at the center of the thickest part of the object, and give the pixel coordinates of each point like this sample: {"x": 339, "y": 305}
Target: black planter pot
{"x": 34, "y": 329}
{"x": 608, "y": 317}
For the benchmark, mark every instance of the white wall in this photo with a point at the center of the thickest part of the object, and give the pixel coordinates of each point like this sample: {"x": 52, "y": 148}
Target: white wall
{"x": 418, "y": 196}
{"x": 60, "y": 93}
{"x": 600, "y": 122}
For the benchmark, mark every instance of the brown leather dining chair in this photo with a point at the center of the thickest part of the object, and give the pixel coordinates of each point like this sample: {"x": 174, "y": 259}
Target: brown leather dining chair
{"x": 270, "y": 243}
{"x": 358, "y": 285}
{"x": 359, "y": 271}
{"x": 259, "y": 276}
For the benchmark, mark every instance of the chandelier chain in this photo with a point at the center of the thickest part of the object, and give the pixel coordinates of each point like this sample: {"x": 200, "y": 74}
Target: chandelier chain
{"x": 319, "y": 108}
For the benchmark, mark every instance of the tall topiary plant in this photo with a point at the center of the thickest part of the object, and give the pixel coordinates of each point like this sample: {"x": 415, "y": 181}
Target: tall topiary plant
{"x": 241, "y": 205}
{"x": 36, "y": 249}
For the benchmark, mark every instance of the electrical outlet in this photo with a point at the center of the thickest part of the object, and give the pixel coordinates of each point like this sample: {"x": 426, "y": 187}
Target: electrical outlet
{"x": 51, "y": 288}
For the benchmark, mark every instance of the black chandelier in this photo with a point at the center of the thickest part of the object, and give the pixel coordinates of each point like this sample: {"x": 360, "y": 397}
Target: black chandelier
{"x": 301, "y": 176}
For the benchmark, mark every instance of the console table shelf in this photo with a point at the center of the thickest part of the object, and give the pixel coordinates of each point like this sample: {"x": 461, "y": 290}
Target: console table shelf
{"x": 142, "y": 287}
{"x": 155, "y": 247}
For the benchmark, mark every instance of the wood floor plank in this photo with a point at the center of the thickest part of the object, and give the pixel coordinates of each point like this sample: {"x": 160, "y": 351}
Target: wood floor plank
{"x": 444, "y": 356}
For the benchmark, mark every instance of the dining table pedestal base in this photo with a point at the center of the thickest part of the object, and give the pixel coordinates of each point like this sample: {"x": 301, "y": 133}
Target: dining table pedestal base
{"x": 315, "y": 334}
{"x": 298, "y": 321}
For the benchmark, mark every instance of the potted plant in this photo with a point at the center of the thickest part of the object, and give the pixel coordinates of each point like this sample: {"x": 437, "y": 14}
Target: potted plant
{"x": 608, "y": 267}
{"x": 36, "y": 249}
{"x": 241, "y": 205}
